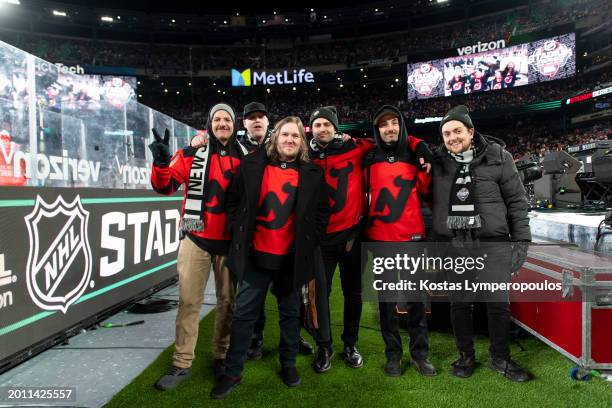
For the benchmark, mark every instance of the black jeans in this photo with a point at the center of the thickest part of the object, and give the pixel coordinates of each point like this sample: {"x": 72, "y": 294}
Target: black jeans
{"x": 417, "y": 329}
{"x": 498, "y": 316}
{"x": 260, "y": 324}
{"x": 350, "y": 278}
{"x": 250, "y": 299}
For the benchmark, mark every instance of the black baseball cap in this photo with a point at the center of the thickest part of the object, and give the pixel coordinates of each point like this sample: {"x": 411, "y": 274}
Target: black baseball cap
{"x": 254, "y": 107}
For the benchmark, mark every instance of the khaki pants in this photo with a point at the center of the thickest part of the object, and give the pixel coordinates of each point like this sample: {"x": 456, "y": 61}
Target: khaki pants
{"x": 194, "y": 269}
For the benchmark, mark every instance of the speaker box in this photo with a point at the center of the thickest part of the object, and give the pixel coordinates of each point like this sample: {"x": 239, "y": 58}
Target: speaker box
{"x": 560, "y": 163}
{"x": 602, "y": 167}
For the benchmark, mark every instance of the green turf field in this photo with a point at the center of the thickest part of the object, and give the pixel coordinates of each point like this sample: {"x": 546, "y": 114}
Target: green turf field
{"x": 369, "y": 387}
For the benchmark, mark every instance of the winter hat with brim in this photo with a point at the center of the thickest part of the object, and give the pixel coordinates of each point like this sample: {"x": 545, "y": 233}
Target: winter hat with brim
{"x": 328, "y": 112}
{"x": 460, "y": 113}
{"x": 383, "y": 112}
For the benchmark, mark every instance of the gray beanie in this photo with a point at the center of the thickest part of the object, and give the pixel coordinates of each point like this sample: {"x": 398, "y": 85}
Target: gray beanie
{"x": 222, "y": 106}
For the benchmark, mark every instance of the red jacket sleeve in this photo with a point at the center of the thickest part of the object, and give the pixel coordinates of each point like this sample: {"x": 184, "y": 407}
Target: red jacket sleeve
{"x": 168, "y": 179}
{"x": 413, "y": 142}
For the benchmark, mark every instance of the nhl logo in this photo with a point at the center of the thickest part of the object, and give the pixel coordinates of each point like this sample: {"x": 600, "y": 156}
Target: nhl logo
{"x": 59, "y": 261}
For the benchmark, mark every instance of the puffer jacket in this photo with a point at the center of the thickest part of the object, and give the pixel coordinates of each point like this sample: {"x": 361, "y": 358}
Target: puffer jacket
{"x": 500, "y": 199}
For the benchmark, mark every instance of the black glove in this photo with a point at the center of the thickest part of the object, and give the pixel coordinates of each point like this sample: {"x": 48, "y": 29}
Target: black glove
{"x": 160, "y": 149}
{"x": 422, "y": 151}
{"x": 519, "y": 254}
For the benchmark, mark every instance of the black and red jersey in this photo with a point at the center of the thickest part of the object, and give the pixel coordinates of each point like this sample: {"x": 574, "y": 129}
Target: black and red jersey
{"x": 274, "y": 234}
{"x": 342, "y": 164}
{"x": 222, "y": 164}
{"x": 509, "y": 79}
{"x": 394, "y": 183}
{"x": 457, "y": 85}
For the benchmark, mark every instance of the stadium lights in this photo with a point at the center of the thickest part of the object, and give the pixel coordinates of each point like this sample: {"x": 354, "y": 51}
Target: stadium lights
{"x": 118, "y": 17}
{"x": 13, "y": 2}
{"x": 441, "y": 1}
{"x": 138, "y": 82}
{"x": 59, "y": 13}
{"x": 166, "y": 90}
{"x": 189, "y": 84}
{"x": 263, "y": 21}
{"x": 107, "y": 19}
{"x": 341, "y": 85}
{"x": 178, "y": 92}
{"x": 173, "y": 20}
{"x": 224, "y": 21}
{"x": 294, "y": 88}
{"x": 274, "y": 12}
{"x": 364, "y": 85}
{"x": 396, "y": 79}
{"x": 286, "y": 20}
{"x": 140, "y": 95}
{"x": 268, "y": 90}
{"x": 237, "y": 14}
{"x": 311, "y": 10}
{"x": 376, "y": 10}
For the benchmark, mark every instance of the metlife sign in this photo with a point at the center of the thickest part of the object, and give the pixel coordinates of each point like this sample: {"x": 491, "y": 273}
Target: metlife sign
{"x": 286, "y": 77}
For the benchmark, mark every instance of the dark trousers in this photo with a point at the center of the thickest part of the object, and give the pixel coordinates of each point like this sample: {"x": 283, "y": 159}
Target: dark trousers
{"x": 260, "y": 324}
{"x": 498, "y": 316}
{"x": 417, "y": 329}
{"x": 350, "y": 278}
{"x": 250, "y": 299}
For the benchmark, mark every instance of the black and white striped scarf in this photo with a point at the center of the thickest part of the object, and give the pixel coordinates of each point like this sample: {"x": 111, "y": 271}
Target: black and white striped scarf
{"x": 462, "y": 213}
{"x": 196, "y": 198}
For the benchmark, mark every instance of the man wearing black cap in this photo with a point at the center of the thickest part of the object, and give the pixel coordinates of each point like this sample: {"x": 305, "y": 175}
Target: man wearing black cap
{"x": 396, "y": 175}
{"x": 341, "y": 159}
{"x": 255, "y": 121}
{"x": 206, "y": 173}
{"x": 494, "y": 210}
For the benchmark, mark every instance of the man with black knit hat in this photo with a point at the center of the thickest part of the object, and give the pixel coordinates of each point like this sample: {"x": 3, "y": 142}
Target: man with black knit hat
{"x": 396, "y": 178}
{"x": 206, "y": 173}
{"x": 472, "y": 216}
{"x": 341, "y": 159}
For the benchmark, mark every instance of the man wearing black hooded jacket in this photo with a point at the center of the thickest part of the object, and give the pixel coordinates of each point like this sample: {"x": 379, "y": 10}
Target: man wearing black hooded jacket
{"x": 395, "y": 181}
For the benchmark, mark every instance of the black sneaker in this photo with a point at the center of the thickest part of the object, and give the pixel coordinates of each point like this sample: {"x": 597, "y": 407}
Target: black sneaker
{"x": 509, "y": 369}
{"x": 218, "y": 368}
{"x": 290, "y": 376}
{"x": 173, "y": 377}
{"x": 322, "y": 361}
{"x": 224, "y": 386}
{"x": 464, "y": 366}
{"x": 304, "y": 347}
{"x": 255, "y": 351}
{"x": 393, "y": 368}
{"x": 424, "y": 367}
{"x": 352, "y": 357}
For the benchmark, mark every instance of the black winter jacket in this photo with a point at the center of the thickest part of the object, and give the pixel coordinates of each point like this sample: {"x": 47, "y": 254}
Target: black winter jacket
{"x": 500, "y": 199}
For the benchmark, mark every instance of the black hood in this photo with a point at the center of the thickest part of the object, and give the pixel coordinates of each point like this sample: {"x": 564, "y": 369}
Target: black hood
{"x": 402, "y": 142}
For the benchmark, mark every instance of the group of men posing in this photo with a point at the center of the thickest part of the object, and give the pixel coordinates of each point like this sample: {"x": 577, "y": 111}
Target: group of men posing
{"x": 275, "y": 211}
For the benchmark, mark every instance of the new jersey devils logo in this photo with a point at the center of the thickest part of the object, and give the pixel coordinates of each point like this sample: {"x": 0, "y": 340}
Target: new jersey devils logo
{"x": 59, "y": 261}
{"x": 396, "y": 205}
{"x": 282, "y": 211}
{"x": 339, "y": 194}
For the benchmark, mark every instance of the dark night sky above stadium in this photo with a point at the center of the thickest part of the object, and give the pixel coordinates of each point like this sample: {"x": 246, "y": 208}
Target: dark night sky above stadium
{"x": 218, "y": 7}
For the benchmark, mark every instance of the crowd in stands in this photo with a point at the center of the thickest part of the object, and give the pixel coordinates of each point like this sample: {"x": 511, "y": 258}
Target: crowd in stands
{"x": 181, "y": 59}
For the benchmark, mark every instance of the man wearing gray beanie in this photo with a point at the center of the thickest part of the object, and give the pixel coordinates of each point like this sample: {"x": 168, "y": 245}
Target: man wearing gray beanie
{"x": 206, "y": 173}
{"x": 488, "y": 217}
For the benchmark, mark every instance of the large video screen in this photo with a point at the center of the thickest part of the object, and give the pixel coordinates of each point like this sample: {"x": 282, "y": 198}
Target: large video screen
{"x": 523, "y": 64}
{"x": 70, "y": 92}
